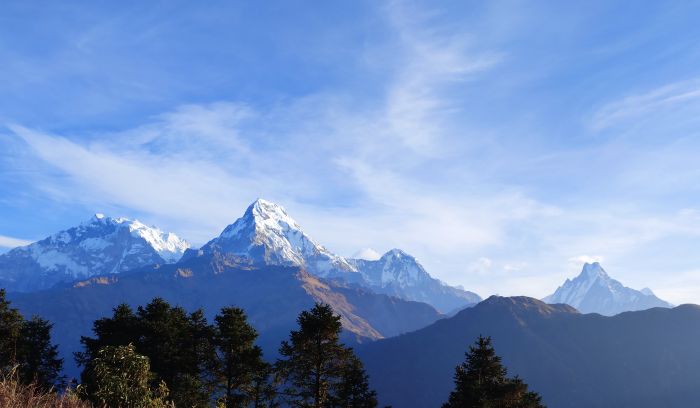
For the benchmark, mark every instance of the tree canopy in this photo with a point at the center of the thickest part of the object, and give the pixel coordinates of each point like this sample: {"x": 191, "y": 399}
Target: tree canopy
{"x": 481, "y": 381}
{"x": 319, "y": 371}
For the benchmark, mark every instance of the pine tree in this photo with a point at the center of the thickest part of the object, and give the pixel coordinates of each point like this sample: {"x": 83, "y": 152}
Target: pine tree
{"x": 315, "y": 363}
{"x": 482, "y": 382}
{"x": 38, "y": 358}
{"x": 353, "y": 389}
{"x": 122, "y": 329}
{"x": 263, "y": 393}
{"x": 25, "y": 346}
{"x": 11, "y": 322}
{"x": 178, "y": 346}
{"x": 241, "y": 370}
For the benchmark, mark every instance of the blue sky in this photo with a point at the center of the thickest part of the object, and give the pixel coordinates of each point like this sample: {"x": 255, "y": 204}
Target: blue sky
{"x": 503, "y": 143}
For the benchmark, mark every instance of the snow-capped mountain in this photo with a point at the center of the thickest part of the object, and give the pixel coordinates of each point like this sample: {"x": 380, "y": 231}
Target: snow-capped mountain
{"x": 399, "y": 274}
{"x": 594, "y": 291}
{"x": 266, "y": 234}
{"x": 101, "y": 245}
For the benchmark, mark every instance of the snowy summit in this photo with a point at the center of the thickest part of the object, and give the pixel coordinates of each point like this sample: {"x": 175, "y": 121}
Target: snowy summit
{"x": 98, "y": 246}
{"x": 266, "y": 234}
{"x": 594, "y": 291}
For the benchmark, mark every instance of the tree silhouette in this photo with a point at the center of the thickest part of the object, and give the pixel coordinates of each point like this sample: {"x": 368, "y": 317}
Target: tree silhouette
{"x": 316, "y": 369}
{"x": 241, "y": 372}
{"x": 482, "y": 382}
{"x": 25, "y": 346}
{"x": 38, "y": 357}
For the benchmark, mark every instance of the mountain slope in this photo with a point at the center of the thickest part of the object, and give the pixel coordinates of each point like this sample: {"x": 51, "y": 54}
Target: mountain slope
{"x": 267, "y": 235}
{"x": 594, "y": 291}
{"x": 101, "y": 245}
{"x": 399, "y": 274}
{"x": 272, "y": 296}
{"x": 635, "y": 359}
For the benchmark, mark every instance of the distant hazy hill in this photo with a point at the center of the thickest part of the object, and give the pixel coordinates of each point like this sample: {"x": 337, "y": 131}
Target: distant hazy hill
{"x": 594, "y": 291}
{"x": 272, "y": 296}
{"x": 636, "y": 359}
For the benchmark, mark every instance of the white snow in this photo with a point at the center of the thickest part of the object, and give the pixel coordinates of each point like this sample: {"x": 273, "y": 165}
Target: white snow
{"x": 85, "y": 250}
{"x": 594, "y": 288}
{"x": 267, "y": 225}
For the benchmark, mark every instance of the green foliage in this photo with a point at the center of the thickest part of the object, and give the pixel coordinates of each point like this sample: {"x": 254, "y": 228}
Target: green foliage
{"x": 316, "y": 369}
{"x": 178, "y": 346}
{"x": 179, "y": 349}
{"x": 242, "y": 375}
{"x": 122, "y": 379}
{"x": 352, "y": 391}
{"x": 39, "y": 362}
{"x": 482, "y": 382}
{"x": 197, "y": 361}
{"x": 26, "y": 349}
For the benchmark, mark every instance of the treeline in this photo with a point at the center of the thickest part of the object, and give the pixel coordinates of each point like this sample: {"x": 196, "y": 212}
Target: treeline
{"x": 160, "y": 355}
{"x": 175, "y": 356}
{"x": 26, "y": 349}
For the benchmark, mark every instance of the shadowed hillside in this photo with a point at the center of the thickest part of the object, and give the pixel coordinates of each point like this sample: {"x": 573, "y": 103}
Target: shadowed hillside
{"x": 635, "y": 359}
{"x": 272, "y": 297}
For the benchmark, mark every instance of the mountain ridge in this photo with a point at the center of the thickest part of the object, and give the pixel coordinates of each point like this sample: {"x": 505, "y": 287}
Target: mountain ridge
{"x": 594, "y": 291}
{"x": 573, "y": 360}
{"x": 272, "y": 297}
{"x": 266, "y": 234}
{"x": 98, "y": 246}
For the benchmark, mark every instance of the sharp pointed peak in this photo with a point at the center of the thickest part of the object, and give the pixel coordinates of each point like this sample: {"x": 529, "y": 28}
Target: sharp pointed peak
{"x": 593, "y": 270}
{"x": 261, "y": 202}
{"x": 396, "y": 253}
{"x": 262, "y": 207}
{"x": 261, "y": 215}
{"x": 647, "y": 292}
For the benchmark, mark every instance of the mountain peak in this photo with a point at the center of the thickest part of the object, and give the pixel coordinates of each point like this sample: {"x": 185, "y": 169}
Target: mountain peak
{"x": 593, "y": 271}
{"x": 267, "y": 234}
{"x": 99, "y": 245}
{"x": 594, "y": 291}
{"x": 523, "y": 303}
{"x": 261, "y": 207}
{"x": 261, "y": 217}
{"x": 396, "y": 254}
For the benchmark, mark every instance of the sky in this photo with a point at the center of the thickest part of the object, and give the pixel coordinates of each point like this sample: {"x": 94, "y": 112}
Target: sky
{"x": 502, "y": 143}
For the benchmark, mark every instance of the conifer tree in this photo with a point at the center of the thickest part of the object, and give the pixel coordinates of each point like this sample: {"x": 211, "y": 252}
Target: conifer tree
{"x": 11, "y": 322}
{"x": 25, "y": 346}
{"x": 38, "y": 357}
{"x": 177, "y": 344}
{"x": 263, "y": 393}
{"x": 241, "y": 371}
{"x": 353, "y": 390}
{"x": 482, "y": 382}
{"x": 314, "y": 362}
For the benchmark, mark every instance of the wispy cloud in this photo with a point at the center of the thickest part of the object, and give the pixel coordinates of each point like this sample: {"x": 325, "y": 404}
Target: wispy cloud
{"x": 11, "y": 242}
{"x": 659, "y": 100}
{"x": 417, "y": 101}
{"x": 395, "y": 156}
